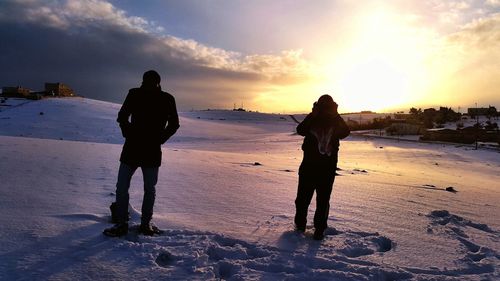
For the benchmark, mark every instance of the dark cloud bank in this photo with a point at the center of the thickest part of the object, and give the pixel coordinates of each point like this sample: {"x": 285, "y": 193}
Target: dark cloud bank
{"x": 98, "y": 63}
{"x": 102, "y": 53}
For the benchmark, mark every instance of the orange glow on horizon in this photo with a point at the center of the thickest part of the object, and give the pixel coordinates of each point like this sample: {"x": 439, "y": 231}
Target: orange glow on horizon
{"x": 388, "y": 61}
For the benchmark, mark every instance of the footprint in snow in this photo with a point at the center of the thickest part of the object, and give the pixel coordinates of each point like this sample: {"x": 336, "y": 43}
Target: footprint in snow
{"x": 457, "y": 227}
{"x": 356, "y": 244}
{"x": 348, "y": 243}
{"x": 164, "y": 259}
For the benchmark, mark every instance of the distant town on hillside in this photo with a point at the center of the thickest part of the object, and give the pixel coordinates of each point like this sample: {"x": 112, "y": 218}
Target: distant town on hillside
{"x": 479, "y": 124}
{"x": 50, "y": 90}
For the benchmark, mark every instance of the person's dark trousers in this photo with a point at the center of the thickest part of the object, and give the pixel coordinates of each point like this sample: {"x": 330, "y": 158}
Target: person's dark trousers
{"x": 150, "y": 176}
{"x": 322, "y": 183}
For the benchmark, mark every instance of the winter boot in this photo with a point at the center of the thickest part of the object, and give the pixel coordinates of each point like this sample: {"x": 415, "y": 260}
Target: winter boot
{"x": 148, "y": 229}
{"x": 319, "y": 234}
{"x": 117, "y": 230}
{"x": 300, "y": 228}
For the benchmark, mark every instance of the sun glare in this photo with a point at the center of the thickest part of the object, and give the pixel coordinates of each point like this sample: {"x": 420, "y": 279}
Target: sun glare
{"x": 373, "y": 85}
{"x": 383, "y": 67}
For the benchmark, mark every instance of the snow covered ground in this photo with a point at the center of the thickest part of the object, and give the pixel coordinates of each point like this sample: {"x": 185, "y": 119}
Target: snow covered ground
{"x": 225, "y": 217}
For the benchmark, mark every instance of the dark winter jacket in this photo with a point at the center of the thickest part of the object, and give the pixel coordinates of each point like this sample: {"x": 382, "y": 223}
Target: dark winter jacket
{"x": 322, "y": 132}
{"x": 153, "y": 120}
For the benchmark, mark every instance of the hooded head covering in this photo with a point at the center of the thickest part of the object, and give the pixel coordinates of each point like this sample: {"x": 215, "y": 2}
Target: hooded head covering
{"x": 326, "y": 104}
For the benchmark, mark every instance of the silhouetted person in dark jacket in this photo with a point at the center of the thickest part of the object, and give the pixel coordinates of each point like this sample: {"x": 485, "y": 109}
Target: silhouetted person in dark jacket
{"x": 147, "y": 118}
{"x": 322, "y": 129}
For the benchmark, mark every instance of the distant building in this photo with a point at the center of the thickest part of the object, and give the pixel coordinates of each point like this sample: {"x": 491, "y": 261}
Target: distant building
{"x": 403, "y": 128}
{"x": 482, "y": 111}
{"x": 15, "y": 92}
{"x": 466, "y": 135}
{"x": 51, "y": 90}
{"x": 58, "y": 89}
{"x": 430, "y": 110}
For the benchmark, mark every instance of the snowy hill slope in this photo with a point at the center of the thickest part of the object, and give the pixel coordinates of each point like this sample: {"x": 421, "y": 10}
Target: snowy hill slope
{"x": 228, "y": 218}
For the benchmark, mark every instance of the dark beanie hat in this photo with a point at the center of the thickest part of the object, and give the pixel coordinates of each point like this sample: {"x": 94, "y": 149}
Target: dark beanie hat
{"x": 151, "y": 77}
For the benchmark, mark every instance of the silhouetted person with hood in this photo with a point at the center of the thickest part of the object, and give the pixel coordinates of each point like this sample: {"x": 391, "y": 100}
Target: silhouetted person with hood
{"x": 322, "y": 129}
{"x": 147, "y": 118}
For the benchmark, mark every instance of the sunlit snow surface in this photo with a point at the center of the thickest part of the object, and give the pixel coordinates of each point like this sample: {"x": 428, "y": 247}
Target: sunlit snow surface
{"x": 225, "y": 217}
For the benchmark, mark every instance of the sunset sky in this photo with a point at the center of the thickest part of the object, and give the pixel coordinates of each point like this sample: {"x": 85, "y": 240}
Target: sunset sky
{"x": 270, "y": 56}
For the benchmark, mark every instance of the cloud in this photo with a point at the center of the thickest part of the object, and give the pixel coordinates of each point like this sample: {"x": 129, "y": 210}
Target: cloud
{"x": 493, "y": 3}
{"x": 65, "y": 14}
{"x": 469, "y": 63}
{"x": 101, "y": 51}
{"x": 483, "y": 33}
